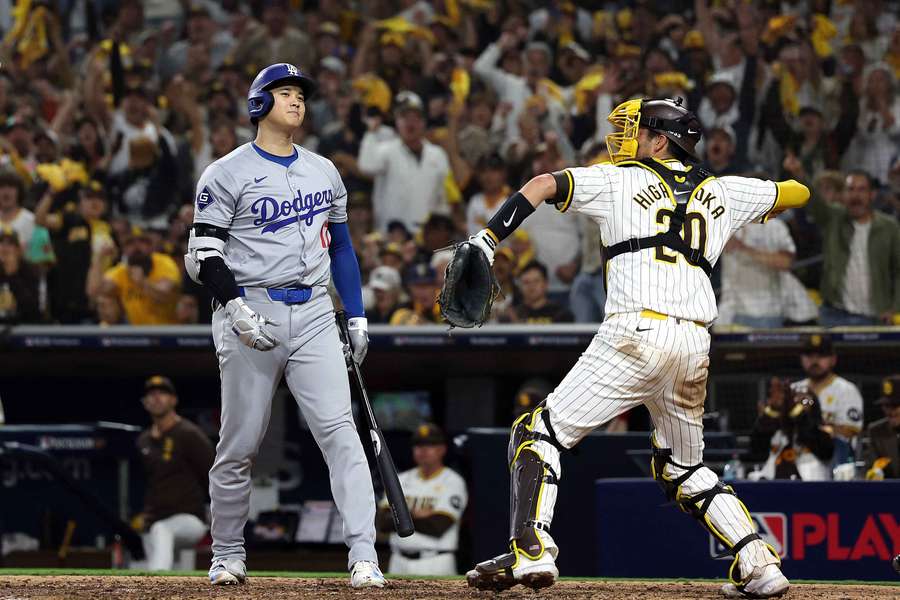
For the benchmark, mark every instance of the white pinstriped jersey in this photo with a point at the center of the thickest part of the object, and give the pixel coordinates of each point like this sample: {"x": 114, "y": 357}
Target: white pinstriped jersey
{"x": 632, "y": 202}
{"x": 841, "y": 402}
{"x": 445, "y": 493}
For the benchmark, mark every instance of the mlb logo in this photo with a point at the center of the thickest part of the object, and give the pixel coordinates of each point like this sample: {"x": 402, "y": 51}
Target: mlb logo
{"x": 204, "y": 199}
{"x": 772, "y": 528}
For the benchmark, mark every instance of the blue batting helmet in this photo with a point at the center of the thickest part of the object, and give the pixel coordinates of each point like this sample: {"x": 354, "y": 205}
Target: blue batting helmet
{"x": 260, "y": 99}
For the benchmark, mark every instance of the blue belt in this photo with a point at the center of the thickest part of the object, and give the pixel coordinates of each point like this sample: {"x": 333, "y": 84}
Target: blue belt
{"x": 286, "y": 295}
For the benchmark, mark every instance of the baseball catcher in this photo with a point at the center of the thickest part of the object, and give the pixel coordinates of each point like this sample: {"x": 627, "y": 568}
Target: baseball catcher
{"x": 664, "y": 223}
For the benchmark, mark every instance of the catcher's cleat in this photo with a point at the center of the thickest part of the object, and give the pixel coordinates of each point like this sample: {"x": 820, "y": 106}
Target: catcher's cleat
{"x": 770, "y": 583}
{"x": 495, "y": 574}
{"x": 503, "y": 572}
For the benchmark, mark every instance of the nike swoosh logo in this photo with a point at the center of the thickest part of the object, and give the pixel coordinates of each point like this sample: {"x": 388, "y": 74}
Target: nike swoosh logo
{"x": 258, "y": 179}
{"x": 645, "y": 329}
{"x": 683, "y": 193}
{"x": 506, "y": 223}
{"x": 692, "y": 132}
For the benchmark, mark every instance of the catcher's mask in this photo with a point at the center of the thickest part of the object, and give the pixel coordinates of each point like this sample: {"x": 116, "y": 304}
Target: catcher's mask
{"x": 666, "y": 117}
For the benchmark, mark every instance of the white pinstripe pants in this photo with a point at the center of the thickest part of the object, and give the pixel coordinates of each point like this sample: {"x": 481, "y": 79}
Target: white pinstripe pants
{"x": 662, "y": 364}
{"x": 633, "y": 360}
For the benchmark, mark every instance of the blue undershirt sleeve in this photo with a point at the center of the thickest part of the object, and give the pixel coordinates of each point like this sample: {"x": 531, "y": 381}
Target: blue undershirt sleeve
{"x": 345, "y": 269}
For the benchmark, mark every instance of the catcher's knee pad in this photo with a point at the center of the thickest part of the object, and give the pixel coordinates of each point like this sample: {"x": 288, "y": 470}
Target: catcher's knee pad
{"x": 534, "y": 474}
{"x": 696, "y": 490}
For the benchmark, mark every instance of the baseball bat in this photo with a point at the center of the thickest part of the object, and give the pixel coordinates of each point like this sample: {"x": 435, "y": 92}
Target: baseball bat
{"x": 403, "y": 522}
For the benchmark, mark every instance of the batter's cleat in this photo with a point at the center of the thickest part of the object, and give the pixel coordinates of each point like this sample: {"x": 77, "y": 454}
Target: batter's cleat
{"x": 771, "y": 583}
{"x": 504, "y": 571}
{"x": 366, "y": 574}
{"x": 230, "y": 571}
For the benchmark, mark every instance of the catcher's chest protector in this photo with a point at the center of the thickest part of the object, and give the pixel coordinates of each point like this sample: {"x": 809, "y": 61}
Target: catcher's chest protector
{"x": 680, "y": 186}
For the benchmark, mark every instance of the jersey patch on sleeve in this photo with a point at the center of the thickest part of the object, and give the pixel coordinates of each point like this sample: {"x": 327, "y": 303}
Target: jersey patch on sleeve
{"x": 204, "y": 199}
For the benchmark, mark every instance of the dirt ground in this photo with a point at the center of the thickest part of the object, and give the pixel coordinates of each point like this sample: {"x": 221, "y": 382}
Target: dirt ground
{"x": 273, "y": 588}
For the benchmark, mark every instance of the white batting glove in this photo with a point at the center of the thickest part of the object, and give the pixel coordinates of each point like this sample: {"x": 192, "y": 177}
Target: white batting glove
{"x": 486, "y": 243}
{"x": 250, "y": 326}
{"x": 359, "y": 339}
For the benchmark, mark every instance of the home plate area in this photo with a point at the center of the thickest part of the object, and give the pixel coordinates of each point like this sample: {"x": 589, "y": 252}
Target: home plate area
{"x": 271, "y": 588}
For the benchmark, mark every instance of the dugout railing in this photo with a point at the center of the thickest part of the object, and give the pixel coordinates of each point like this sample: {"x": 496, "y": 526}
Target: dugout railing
{"x": 471, "y": 376}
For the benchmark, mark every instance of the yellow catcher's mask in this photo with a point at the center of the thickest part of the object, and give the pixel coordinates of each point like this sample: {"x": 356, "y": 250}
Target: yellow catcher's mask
{"x": 626, "y": 117}
{"x": 661, "y": 115}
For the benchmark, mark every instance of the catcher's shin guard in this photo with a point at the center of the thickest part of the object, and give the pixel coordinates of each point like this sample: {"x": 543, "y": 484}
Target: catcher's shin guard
{"x": 697, "y": 491}
{"x": 534, "y": 474}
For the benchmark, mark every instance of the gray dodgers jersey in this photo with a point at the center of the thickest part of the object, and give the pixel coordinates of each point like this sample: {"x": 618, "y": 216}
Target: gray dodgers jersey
{"x": 277, "y": 216}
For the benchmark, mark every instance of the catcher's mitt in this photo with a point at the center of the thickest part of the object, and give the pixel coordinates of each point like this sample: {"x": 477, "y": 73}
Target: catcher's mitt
{"x": 469, "y": 287}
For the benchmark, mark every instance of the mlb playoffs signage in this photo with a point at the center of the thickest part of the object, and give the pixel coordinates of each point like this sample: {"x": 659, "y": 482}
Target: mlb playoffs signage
{"x": 827, "y": 530}
{"x": 805, "y": 534}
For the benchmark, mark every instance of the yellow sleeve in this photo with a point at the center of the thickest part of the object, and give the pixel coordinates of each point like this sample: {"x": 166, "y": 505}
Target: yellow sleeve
{"x": 789, "y": 194}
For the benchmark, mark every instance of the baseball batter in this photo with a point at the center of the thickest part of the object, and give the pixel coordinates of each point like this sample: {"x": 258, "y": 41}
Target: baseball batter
{"x": 664, "y": 223}
{"x": 270, "y": 222}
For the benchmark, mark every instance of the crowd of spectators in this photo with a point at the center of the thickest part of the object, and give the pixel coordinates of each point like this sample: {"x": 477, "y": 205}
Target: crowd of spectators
{"x": 433, "y": 112}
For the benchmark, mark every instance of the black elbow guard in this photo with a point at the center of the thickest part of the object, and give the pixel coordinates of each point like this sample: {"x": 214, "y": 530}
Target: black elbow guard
{"x": 219, "y": 279}
{"x": 565, "y": 187}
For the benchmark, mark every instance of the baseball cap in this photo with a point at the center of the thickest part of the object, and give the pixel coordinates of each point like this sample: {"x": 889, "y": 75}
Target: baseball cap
{"x": 818, "y": 343}
{"x": 428, "y": 434}
{"x": 506, "y": 253}
{"x": 397, "y": 224}
{"x": 440, "y": 221}
{"x": 159, "y": 382}
{"x": 728, "y": 130}
{"x": 491, "y": 161}
{"x": 809, "y": 109}
{"x": 333, "y": 64}
{"x": 392, "y": 248}
{"x": 384, "y": 278}
{"x": 392, "y": 38}
{"x": 540, "y": 47}
{"x": 137, "y": 233}
{"x": 94, "y": 189}
{"x": 138, "y": 88}
{"x": 216, "y": 87}
{"x": 693, "y": 40}
{"x": 420, "y": 273}
{"x": 407, "y": 100}
{"x": 329, "y": 28}
{"x": 197, "y": 9}
{"x": 531, "y": 393}
{"x": 576, "y": 49}
{"x": 890, "y": 391}
{"x": 720, "y": 79}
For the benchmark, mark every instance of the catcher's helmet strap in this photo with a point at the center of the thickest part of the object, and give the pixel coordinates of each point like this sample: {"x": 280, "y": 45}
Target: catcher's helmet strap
{"x": 668, "y": 126}
{"x": 684, "y": 184}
